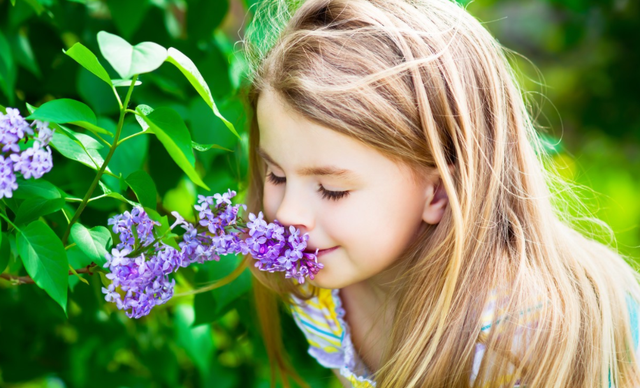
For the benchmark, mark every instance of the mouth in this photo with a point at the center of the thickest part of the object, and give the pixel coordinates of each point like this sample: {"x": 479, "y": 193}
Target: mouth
{"x": 320, "y": 251}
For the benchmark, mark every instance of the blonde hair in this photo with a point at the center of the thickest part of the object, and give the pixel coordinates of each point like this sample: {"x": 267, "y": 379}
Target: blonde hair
{"x": 423, "y": 83}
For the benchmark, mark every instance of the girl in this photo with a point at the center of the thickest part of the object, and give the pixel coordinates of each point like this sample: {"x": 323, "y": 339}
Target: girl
{"x": 393, "y": 133}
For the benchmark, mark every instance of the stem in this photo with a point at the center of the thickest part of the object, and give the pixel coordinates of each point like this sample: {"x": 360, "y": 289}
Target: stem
{"x": 138, "y": 251}
{"x": 134, "y": 135}
{"x": 117, "y": 96}
{"x": 66, "y": 216}
{"x": 75, "y": 273}
{"x": 94, "y": 184}
{"x": 10, "y": 223}
{"x": 29, "y": 280}
{"x": 74, "y": 199}
{"x": 101, "y": 139}
{"x": 112, "y": 174}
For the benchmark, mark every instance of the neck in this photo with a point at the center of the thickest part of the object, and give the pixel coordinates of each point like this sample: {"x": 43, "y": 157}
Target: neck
{"x": 378, "y": 293}
{"x": 370, "y": 306}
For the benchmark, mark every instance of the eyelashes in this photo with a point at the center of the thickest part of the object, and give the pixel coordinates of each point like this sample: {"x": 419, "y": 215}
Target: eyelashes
{"x": 276, "y": 180}
{"x": 326, "y": 194}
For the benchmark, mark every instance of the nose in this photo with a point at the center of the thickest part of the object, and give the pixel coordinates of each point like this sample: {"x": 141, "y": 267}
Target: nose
{"x": 295, "y": 210}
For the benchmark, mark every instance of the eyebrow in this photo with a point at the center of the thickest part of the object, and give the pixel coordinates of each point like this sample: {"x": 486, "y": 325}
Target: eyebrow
{"x": 309, "y": 171}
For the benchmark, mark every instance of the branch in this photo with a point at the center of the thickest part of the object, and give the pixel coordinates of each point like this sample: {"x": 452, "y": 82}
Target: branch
{"x": 102, "y": 169}
{"x": 28, "y": 280}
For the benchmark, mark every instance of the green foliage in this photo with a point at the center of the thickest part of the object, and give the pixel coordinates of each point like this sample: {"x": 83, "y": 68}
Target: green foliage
{"x": 89, "y": 61}
{"x": 60, "y": 332}
{"x": 62, "y": 111}
{"x": 209, "y": 307}
{"x": 143, "y": 187}
{"x": 89, "y": 101}
{"x": 128, "y": 60}
{"x": 33, "y": 208}
{"x": 93, "y": 243}
{"x": 174, "y": 135}
{"x": 188, "y": 68}
{"x": 45, "y": 260}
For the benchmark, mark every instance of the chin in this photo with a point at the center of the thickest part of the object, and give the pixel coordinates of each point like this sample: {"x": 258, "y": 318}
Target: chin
{"x": 326, "y": 280}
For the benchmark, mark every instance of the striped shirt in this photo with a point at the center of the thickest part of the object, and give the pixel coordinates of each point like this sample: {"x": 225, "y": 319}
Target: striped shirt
{"x": 321, "y": 319}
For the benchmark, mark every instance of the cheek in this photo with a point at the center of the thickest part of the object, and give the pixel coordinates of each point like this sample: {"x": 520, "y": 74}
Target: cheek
{"x": 383, "y": 230}
{"x": 271, "y": 200}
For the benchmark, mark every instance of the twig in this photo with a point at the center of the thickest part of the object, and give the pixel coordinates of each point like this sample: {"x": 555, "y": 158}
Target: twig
{"x": 102, "y": 169}
{"x": 28, "y": 280}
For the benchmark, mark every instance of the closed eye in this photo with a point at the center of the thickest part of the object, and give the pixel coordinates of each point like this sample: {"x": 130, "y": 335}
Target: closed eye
{"x": 276, "y": 180}
{"x": 326, "y": 194}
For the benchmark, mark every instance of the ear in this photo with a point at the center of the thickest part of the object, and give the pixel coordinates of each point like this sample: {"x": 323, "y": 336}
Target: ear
{"x": 436, "y": 201}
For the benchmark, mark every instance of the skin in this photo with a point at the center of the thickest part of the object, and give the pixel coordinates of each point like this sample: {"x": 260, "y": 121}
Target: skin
{"x": 371, "y": 225}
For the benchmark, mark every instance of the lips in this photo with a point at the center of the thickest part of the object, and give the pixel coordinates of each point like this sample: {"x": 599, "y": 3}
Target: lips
{"x": 320, "y": 251}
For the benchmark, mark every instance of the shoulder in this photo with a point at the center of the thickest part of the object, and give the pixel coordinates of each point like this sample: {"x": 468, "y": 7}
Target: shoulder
{"x": 318, "y": 318}
{"x": 528, "y": 320}
{"x": 492, "y": 322}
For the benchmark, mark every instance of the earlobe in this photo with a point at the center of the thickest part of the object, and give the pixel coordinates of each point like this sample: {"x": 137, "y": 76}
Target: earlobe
{"x": 435, "y": 203}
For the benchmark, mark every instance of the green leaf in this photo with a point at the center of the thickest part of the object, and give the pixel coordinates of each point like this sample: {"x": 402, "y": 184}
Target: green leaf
{"x": 121, "y": 198}
{"x": 174, "y": 135}
{"x": 88, "y": 142}
{"x": 65, "y": 110}
{"x": 24, "y": 53}
{"x": 33, "y": 208}
{"x": 128, "y": 157}
{"x": 155, "y": 216}
{"x": 77, "y": 258}
{"x": 207, "y": 147}
{"x": 190, "y": 71}
{"x": 89, "y": 61}
{"x": 196, "y": 341}
{"x": 127, "y": 15}
{"x": 170, "y": 238}
{"x": 74, "y": 151}
{"x": 124, "y": 82}
{"x": 130, "y": 60}
{"x": 5, "y": 251}
{"x": 144, "y": 187}
{"x": 94, "y": 92}
{"x": 92, "y": 242}
{"x": 144, "y": 110}
{"x": 29, "y": 188}
{"x": 115, "y": 195}
{"x": 57, "y": 127}
{"x": 92, "y": 128}
{"x": 45, "y": 260}
{"x": 8, "y": 70}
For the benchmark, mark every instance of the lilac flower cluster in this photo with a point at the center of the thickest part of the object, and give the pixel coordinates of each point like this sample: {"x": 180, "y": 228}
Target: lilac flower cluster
{"x": 32, "y": 162}
{"x": 141, "y": 263}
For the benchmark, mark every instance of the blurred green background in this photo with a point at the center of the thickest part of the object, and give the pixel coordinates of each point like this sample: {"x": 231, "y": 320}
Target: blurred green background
{"x": 579, "y": 65}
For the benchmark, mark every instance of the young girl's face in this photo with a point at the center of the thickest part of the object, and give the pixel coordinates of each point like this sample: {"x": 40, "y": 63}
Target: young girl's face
{"x": 344, "y": 194}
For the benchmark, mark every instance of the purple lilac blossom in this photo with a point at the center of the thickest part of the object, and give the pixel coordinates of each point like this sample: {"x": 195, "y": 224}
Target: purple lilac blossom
{"x": 140, "y": 268}
{"x": 32, "y": 162}
{"x": 7, "y": 178}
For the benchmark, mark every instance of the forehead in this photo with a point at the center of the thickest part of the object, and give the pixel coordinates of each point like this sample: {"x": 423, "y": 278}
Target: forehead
{"x": 292, "y": 142}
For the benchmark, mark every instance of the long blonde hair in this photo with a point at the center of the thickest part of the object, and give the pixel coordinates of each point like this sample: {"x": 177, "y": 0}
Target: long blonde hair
{"x": 422, "y": 82}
